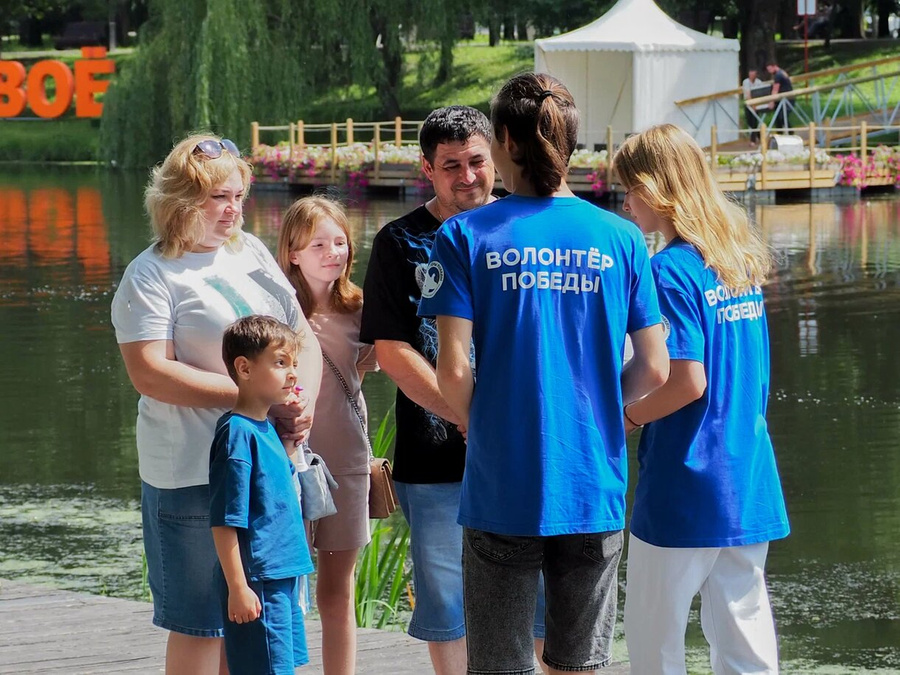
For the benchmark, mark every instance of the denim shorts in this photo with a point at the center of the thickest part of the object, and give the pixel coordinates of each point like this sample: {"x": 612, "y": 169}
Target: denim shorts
{"x": 181, "y": 560}
{"x": 275, "y": 643}
{"x": 501, "y": 584}
{"x": 436, "y": 547}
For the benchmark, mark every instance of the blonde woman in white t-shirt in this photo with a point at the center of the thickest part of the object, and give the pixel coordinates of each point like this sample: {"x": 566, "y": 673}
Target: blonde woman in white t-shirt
{"x": 201, "y": 273}
{"x": 315, "y": 251}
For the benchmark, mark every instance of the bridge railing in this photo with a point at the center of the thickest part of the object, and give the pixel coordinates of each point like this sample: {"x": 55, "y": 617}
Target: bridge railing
{"x": 381, "y": 135}
{"x": 756, "y": 166}
{"x": 834, "y": 104}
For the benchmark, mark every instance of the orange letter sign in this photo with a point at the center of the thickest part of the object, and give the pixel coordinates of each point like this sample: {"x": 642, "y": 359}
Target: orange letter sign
{"x": 37, "y": 88}
{"x": 16, "y": 89}
{"x": 12, "y": 76}
{"x": 85, "y": 84}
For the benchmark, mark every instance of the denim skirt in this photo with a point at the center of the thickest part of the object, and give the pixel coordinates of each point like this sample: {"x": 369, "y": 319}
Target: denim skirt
{"x": 181, "y": 560}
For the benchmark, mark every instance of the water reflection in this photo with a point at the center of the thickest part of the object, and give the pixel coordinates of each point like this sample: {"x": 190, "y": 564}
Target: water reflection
{"x": 68, "y": 468}
{"x": 61, "y": 227}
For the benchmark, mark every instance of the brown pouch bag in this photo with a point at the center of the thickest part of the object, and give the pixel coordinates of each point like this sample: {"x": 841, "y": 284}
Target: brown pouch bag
{"x": 382, "y": 496}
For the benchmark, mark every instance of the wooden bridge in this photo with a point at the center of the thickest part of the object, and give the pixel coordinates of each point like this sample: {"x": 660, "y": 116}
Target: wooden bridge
{"x": 846, "y": 115}
{"x": 43, "y": 630}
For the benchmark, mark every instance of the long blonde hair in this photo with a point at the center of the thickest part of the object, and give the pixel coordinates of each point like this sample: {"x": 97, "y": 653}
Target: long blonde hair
{"x": 297, "y": 229}
{"x": 668, "y": 170}
{"x": 179, "y": 187}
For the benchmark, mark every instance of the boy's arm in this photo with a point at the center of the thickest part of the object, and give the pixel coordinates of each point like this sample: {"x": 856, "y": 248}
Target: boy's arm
{"x": 243, "y": 604}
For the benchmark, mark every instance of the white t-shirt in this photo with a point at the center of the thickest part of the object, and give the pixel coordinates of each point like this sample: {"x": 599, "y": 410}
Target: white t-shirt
{"x": 762, "y": 89}
{"x": 191, "y": 300}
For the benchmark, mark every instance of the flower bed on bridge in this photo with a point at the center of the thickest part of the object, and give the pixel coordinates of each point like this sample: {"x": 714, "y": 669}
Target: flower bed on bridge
{"x": 355, "y": 164}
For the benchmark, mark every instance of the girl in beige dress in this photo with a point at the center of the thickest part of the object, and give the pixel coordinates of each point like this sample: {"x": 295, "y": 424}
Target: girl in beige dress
{"x": 315, "y": 251}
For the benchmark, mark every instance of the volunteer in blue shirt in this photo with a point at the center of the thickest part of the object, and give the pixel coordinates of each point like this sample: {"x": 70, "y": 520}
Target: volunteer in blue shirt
{"x": 548, "y": 286}
{"x": 708, "y": 497}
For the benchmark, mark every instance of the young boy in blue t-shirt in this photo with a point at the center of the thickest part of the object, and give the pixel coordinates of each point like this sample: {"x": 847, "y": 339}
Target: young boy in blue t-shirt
{"x": 254, "y": 507}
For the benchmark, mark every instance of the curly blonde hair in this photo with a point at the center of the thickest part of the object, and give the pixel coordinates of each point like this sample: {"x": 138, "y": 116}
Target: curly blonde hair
{"x": 667, "y": 169}
{"x": 297, "y": 229}
{"x": 180, "y": 186}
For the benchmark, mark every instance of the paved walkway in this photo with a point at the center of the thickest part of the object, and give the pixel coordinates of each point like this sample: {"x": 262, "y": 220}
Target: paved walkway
{"x": 44, "y": 630}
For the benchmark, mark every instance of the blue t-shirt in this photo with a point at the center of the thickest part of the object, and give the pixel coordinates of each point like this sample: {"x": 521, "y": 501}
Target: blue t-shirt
{"x": 552, "y": 286}
{"x": 707, "y": 474}
{"x": 252, "y": 487}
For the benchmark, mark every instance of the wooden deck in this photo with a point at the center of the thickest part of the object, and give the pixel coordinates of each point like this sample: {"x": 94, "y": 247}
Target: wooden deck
{"x": 43, "y": 630}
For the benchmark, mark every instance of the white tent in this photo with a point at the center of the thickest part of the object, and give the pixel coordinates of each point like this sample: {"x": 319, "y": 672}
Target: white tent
{"x": 627, "y": 69}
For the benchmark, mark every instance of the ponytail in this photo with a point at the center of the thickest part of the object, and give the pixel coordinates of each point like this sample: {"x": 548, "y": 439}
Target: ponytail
{"x": 539, "y": 114}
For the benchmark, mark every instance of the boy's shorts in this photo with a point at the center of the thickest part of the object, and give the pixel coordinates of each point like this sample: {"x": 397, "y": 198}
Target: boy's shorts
{"x": 501, "y": 575}
{"x": 275, "y": 643}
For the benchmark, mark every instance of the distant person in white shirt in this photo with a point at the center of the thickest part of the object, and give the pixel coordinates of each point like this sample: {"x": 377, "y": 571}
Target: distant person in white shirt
{"x": 750, "y": 83}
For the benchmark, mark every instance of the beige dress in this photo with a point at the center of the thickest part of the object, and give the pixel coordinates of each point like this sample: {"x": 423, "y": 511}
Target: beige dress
{"x": 336, "y": 433}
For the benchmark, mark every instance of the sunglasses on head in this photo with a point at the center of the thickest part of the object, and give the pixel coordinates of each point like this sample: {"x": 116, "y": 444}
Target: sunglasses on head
{"x": 213, "y": 149}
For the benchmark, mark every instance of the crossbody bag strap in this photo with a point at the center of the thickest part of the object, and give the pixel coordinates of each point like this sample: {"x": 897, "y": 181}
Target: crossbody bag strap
{"x": 352, "y": 400}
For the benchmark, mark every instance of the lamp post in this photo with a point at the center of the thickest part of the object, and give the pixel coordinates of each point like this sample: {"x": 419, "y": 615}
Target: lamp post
{"x": 806, "y": 8}
{"x": 111, "y": 16}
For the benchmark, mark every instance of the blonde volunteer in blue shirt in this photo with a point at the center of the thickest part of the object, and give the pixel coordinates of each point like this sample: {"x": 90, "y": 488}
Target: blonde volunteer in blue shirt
{"x": 708, "y": 497}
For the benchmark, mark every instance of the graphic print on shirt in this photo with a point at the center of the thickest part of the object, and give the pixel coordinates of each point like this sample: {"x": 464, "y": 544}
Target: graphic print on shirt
{"x": 566, "y": 270}
{"x": 283, "y": 296}
{"x": 229, "y": 292}
{"x": 667, "y": 327}
{"x": 431, "y": 278}
{"x": 428, "y": 346}
{"x": 277, "y": 298}
{"x": 735, "y": 305}
{"x": 419, "y": 251}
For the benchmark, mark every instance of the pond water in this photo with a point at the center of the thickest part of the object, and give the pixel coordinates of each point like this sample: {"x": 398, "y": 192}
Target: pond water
{"x": 69, "y": 489}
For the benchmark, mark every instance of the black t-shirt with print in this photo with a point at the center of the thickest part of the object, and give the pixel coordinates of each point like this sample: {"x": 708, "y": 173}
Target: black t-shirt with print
{"x": 428, "y": 448}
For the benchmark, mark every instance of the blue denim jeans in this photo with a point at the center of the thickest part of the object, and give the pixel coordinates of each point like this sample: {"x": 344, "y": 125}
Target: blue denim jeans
{"x": 436, "y": 547}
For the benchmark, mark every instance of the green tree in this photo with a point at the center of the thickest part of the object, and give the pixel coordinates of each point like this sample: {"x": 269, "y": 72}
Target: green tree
{"x": 758, "y": 21}
{"x": 219, "y": 64}
{"x": 205, "y": 64}
{"x": 386, "y": 29}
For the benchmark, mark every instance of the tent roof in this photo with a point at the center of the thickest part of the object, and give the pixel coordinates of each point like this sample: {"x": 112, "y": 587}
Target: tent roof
{"x": 636, "y": 26}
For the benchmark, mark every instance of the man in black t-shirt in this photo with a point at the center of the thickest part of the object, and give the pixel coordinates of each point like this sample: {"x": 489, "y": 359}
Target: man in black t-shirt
{"x": 781, "y": 83}
{"x": 430, "y": 450}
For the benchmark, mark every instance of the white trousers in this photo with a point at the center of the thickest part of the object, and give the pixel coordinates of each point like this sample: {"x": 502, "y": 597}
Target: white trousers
{"x": 734, "y": 608}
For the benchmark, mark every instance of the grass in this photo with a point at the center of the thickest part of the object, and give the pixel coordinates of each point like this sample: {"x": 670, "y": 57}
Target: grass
{"x": 790, "y": 55}
{"x": 840, "y": 54}
{"x": 478, "y": 71}
{"x": 382, "y": 572}
{"x": 65, "y": 140}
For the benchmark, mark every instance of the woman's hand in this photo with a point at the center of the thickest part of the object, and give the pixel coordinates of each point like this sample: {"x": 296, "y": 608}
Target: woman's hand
{"x": 292, "y": 421}
{"x": 243, "y": 605}
{"x": 629, "y": 427}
